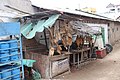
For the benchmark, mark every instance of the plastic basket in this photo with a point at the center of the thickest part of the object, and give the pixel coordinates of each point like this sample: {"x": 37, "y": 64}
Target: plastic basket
{"x": 8, "y": 79}
{"x": 4, "y": 46}
{"x": 16, "y": 79}
{"x": 14, "y": 55}
{"x": 13, "y": 44}
{"x": 4, "y": 59}
{"x": 13, "y": 50}
{"x": 5, "y": 74}
{"x": 4, "y": 51}
{"x": 15, "y": 71}
{"x": 0, "y": 76}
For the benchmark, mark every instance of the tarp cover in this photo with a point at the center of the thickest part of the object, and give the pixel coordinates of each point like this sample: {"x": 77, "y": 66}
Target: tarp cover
{"x": 82, "y": 28}
{"x": 29, "y": 30}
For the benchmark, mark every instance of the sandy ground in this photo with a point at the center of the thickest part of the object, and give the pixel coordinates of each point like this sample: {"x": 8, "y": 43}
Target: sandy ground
{"x": 101, "y": 69}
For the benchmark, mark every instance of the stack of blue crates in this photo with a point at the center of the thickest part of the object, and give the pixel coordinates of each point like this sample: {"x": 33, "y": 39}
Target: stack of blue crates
{"x": 9, "y": 52}
{"x": 14, "y": 71}
{"x": 4, "y": 51}
{"x": 10, "y": 70}
{"x": 14, "y": 50}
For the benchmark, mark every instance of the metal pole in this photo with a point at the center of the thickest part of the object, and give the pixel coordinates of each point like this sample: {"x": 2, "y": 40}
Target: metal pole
{"x": 21, "y": 58}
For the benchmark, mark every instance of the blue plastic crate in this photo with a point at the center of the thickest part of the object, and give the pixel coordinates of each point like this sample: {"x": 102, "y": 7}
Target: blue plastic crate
{"x": 15, "y": 71}
{"x": 5, "y": 74}
{"x": 4, "y": 46}
{"x": 13, "y": 44}
{"x": 5, "y": 71}
{"x": 16, "y": 78}
{"x": 4, "y": 51}
{"x": 8, "y": 79}
{"x": 14, "y": 55}
{"x": 4, "y": 59}
{"x": 13, "y": 50}
{"x": 0, "y": 76}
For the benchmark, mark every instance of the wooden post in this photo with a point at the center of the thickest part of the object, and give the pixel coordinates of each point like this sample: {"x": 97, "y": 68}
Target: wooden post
{"x": 45, "y": 39}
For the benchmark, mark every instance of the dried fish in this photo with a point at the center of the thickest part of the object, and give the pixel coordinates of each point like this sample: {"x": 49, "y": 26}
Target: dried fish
{"x": 51, "y": 51}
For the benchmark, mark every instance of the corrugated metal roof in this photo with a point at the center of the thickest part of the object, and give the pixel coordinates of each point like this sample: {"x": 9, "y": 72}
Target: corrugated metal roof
{"x": 82, "y": 13}
{"x": 74, "y": 12}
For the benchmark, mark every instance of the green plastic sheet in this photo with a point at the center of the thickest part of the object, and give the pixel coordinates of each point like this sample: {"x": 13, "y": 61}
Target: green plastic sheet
{"x": 29, "y": 30}
{"x": 28, "y": 62}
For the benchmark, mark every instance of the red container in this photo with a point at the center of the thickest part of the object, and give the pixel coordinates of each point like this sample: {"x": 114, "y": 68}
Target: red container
{"x": 101, "y": 53}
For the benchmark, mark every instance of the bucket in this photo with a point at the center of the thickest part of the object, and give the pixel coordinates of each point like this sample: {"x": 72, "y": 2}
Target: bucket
{"x": 13, "y": 44}
{"x": 14, "y": 56}
{"x": 4, "y": 59}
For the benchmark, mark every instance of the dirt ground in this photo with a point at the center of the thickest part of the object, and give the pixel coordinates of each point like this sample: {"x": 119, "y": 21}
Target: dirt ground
{"x": 101, "y": 69}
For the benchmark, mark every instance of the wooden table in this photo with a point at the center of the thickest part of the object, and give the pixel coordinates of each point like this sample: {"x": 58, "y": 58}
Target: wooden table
{"x": 81, "y": 56}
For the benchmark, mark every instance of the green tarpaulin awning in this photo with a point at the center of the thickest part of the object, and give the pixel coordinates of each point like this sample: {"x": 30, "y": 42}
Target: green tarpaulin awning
{"x": 29, "y": 30}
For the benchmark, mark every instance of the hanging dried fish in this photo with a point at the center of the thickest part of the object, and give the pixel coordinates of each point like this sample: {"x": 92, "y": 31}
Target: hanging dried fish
{"x": 51, "y": 51}
{"x": 69, "y": 43}
{"x": 79, "y": 41}
{"x": 64, "y": 42}
{"x": 59, "y": 49}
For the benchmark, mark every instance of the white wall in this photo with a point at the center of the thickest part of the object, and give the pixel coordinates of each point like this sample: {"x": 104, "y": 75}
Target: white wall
{"x": 114, "y": 32}
{"x": 98, "y": 26}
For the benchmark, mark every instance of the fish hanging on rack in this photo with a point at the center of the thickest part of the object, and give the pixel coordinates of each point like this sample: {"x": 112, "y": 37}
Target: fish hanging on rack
{"x": 59, "y": 49}
{"x": 51, "y": 36}
{"x": 51, "y": 51}
{"x": 57, "y": 32}
{"x": 54, "y": 42}
{"x": 69, "y": 41}
{"x": 79, "y": 41}
{"x": 64, "y": 42}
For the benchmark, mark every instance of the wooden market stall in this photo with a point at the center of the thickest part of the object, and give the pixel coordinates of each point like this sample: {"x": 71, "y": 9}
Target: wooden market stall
{"x": 59, "y": 41}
